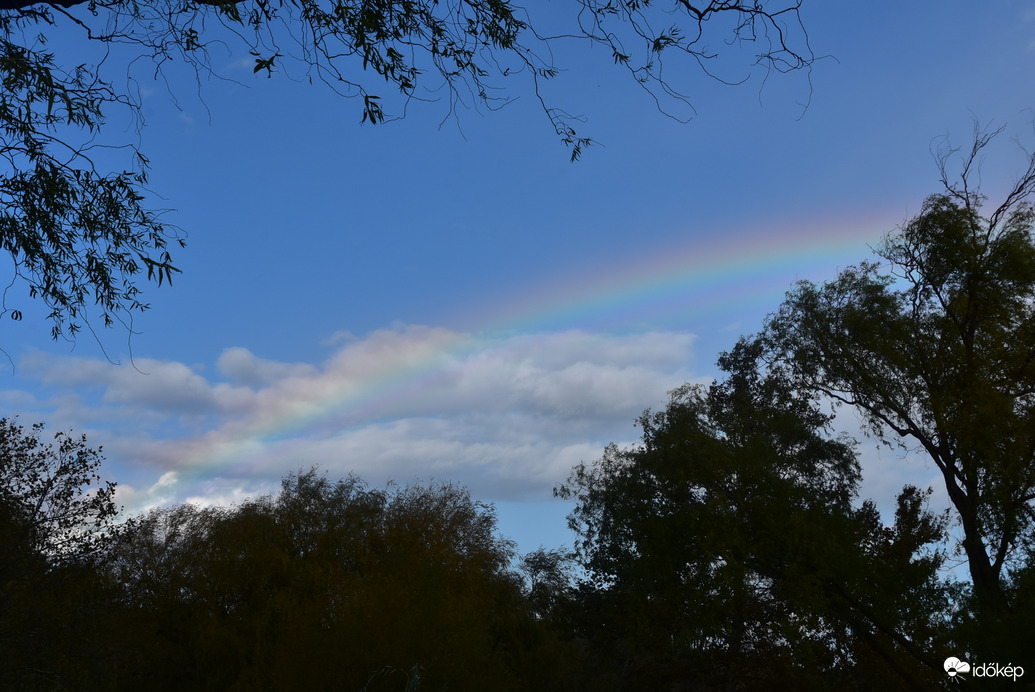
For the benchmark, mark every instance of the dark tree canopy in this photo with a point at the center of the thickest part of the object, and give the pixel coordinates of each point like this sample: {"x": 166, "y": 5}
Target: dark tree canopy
{"x": 81, "y": 231}
{"x": 548, "y": 579}
{"x": 329, "y": 585}
{"x": 936, "y": 348}
{"x": 55, "y": 517}
{"x": 732, "y": 530}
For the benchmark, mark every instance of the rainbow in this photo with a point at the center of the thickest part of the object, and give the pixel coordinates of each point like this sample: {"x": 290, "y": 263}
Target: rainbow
{"x": 689, "y": 288}
{"x": 674, "y": 286}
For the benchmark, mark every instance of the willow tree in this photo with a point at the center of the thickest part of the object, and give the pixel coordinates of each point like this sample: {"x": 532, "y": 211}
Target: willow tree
{"x": 76, "y": 221}
{"x": 935, "y": 346}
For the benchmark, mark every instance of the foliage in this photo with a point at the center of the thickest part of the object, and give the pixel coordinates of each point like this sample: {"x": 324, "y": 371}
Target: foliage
{"x": 548, "y": 580}
{"x": 938, "y": 353}
{"x": 52, "y": 496}
{"x": 731, "y": 529}
{"x": 54, "y": 519}
{"x": 76, "y": 235}
{"x": 726, "y": 550}
{"x": 76, "y": 223}
{"x": 328, "y": 582}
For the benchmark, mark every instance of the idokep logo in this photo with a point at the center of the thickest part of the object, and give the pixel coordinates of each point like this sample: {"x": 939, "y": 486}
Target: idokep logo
{"x": 956, "y": 669}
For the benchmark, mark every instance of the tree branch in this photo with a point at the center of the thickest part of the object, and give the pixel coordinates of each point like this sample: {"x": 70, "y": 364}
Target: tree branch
{"x": 22, "y": 4}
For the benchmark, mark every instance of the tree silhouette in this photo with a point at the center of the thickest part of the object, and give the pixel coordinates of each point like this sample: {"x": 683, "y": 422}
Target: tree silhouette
{"x": 55, "y": 518}
{"x": 731, "y": 530}
{"x": 936, "y": 348}
{"x": 52, "y": 494}
{"x": 329, "y": 585}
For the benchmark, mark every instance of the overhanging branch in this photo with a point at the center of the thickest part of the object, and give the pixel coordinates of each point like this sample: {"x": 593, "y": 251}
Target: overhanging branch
{"x": 22, "y": 4}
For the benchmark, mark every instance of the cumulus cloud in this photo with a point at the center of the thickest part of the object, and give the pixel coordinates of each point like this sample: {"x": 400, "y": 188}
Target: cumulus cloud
{"x": 242, "y": 366}
{"x": 138, "y": 501}
{"x": 165, "y": 388}
{"x": 508, "y": 416}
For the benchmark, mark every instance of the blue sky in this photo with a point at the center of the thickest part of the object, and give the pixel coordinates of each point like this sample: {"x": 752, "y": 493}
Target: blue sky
{"x": 456, "y": 301}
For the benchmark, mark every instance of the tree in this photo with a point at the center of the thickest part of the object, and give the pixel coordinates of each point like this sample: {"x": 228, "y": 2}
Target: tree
{"x": 936, "y": 348}
{"x": 327, "y": 585}
{"x": 731, "y": 531}
{"x": 548, "y": 579}
{"x": 55, "y": 518}
{"x": 77, "y": 225}
{"x": 52, "y": 496}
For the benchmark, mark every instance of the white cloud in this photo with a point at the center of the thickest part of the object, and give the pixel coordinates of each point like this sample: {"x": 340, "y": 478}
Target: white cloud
{"x": 17, "y": 399}
{"x": 139, "y": 501}
{"x": 242, "y": 366}
{"x": 507, "y": 416}
{"x": 164, "y": 388}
